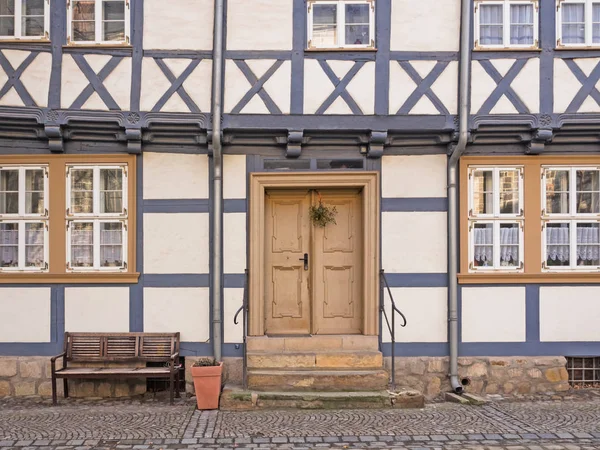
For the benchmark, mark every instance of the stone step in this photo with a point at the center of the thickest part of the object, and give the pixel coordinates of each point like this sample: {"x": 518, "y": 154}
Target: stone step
{"x": 342, "y": 359}
{"x": 312, "y": 343}
{"x": 234, "y": 398}
{"x": 318, "y": 380}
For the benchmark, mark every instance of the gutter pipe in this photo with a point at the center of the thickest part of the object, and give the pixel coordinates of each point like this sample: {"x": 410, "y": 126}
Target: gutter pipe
{"x": 217, "y": 155}
{"x": 457, "y": 151}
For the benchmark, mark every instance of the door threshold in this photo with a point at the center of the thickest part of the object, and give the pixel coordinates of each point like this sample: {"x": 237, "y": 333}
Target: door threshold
{"x": 287, "y": 335}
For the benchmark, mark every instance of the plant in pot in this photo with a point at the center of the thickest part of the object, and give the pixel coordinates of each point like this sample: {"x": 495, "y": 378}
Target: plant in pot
{"x": 206, "y": 373}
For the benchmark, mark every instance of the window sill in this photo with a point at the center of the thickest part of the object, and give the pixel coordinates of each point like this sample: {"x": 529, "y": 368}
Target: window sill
{"x": 576, "y": 47}
{"x": 521, "y": 278}
{"x": 341, "y": 49}
{"x": 507, "y": 49}
{"x": 71, "y": 278}
{"x": 25, "y": 41}
{"x": 99, "y": 45}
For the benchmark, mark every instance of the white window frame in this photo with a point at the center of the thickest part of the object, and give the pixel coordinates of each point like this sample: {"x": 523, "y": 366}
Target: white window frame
{"x": 588, "y": 23}
{"x": 571, "y": 217}
{"x": 496, "y": 218}
{"x": 19, "y": 24}
{"x": 97, "y": 218}
{"x": 21, "y": 218}
{"x": 98, "y": 24}
{"x": 506, "y": 4}
{"x": 341, "y": 23}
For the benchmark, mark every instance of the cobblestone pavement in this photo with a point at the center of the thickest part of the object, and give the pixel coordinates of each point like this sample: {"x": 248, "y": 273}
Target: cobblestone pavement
{"x": 570, "y": 424}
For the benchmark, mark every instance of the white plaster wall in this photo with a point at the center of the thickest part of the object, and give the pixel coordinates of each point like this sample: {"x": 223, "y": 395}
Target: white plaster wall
{"x": 404, "y": 176}
{"x": 73, "y": 82}
{"x": 234, "y": 176}
{"x": 527, "y": 85}
{"x": 175, "y": 176}
{"x": 180, "y": 25}
{"x": 25, "y": 314}
{"x": 232, "y": 300}
{"x": 97, "y": 309}
{"x": 234, "y": 242}
{"x": 566, "y": 85}
{"x": 426, "y": 25}
{"x": 569, "y": 313}
{"x": 493, "y": 314}
{"x": 168, "y": 310}
{"x": 37, "y": 78}
{"x": 426, "y": 310}
{"x": 176, "y": 243}
{"x": 414, "y": 242}
{"x": 259, "y": 25}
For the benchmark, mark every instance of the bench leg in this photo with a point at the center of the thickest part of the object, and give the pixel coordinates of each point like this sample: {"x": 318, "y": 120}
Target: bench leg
{"x": 177, "y": 384}
{"x": 54, "y": 401}
{"x": 172, "y": 385}
{"x": 66, "y": 387}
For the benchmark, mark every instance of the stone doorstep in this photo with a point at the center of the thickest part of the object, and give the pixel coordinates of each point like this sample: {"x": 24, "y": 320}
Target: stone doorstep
{"x": 318, "y": 380}
{"x": 341, "y": 359}
{"x": 312, "y": 343}
{"x": 234, "y": 398}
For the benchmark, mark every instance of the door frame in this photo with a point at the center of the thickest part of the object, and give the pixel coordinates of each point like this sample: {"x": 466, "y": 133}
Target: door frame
{"x": 368, "y": 182}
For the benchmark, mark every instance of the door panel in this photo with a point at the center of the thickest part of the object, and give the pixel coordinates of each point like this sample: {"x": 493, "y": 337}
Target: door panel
{"x": 337, "y": 266}
{"x": 287, "y": 228}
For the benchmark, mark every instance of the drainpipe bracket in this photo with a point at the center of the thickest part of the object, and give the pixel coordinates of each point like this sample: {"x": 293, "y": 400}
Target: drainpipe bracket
{"x": 209, "y": 142}
{"x": 539, "y": 140}
{"x": 294, "y": 143}
{"x": 376, "y": 145}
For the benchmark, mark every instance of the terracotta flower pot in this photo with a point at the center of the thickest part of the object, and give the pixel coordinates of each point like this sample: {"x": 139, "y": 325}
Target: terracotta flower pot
{"x": 207, "y": 384}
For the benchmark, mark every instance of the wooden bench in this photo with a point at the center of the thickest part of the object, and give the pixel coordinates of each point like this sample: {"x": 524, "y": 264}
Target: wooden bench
{"x": 87, "y": 348}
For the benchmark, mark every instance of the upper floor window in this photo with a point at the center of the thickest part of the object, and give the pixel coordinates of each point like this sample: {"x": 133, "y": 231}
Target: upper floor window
{"x": 341, "y": 24}
{"x": 578, "y": 23}
{"x": 98, "y": 21}
{"x": 97, "y": 218}
{"x": 496, "y": 218}
{"x": 506, "y": 24}
{"x": 24, "y": 19}
{"x": 571, "y": 217}
{"x": 24, "y": 218}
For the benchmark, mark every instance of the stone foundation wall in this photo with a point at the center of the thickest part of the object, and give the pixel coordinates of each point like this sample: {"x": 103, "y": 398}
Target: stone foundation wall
{"x": 485, "y": 375}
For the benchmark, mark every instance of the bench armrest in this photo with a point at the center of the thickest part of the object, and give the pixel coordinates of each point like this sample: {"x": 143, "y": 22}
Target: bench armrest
{"x": 175, "y": 361}
{"x": 175, "y": 355}
{"x": 53, "y": 361}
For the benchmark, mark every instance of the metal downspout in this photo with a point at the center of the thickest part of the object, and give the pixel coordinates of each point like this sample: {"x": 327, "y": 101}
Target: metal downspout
{"x": 458, "y": 149}
{"x": 217, "y": 244}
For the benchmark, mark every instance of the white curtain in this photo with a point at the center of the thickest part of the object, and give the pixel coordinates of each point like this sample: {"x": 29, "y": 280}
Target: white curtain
{"x": 483, "y": 239}
{"x": 557, "y": 243}
{"x": 490, "y": 28}
{"x": 521, "y": 24}
{"x": 595, "y": 23}
{"x": 587, "y": 243}
{"x": 82, "y": 248}
{"x": 111, "y": 248}
{"x": 9, "y": 241}
{"x": 509, "y": 245}
{"x": 573, "y": 23}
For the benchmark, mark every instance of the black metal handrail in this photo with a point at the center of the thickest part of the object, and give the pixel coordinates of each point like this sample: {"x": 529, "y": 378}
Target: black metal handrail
{"x": 244, "y": 310}
{"x": 392, "y": 326}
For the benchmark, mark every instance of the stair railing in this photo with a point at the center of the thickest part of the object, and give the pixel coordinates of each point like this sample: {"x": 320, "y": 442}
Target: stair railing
{"x": 244, "y": 310}
{"x": 391, "y": 326}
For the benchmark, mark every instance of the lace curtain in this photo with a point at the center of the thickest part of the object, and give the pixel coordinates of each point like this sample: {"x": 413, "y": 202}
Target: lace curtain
{"x": 558, "y": 243}
{"x": 9, "y": 241}
{"x": 491, "y": 24}
{"x": 509, "y": 245}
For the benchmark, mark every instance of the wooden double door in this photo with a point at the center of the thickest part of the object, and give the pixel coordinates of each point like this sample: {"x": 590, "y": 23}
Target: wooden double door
{"x": 313, "y": 274}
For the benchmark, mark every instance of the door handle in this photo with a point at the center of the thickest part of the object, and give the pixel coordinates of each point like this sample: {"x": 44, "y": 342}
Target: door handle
{"x": 305, "y": 259}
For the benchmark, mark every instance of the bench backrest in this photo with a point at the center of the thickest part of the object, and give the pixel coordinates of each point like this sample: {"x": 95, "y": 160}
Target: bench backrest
{"x": 121, "y": 347}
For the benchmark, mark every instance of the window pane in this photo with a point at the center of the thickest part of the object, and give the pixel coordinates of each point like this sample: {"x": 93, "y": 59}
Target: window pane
{"x": 7, "y": 7}
{"x": 113, "y": 10}
{"x": 557, "y": 244}
{"x": 357, "y": 14}
{"x": 339, "y": 164}
{"x": 509, "y": 191}
{"x": 596, "y": 23}
{"x": 84, "y": 10}
{"x": 491, "y": 29}
{"x": 33, "y": 26}
{"x": 588, "y": 244}
{"x": 557, "y": 191}
{"x": 113, "y": 14}
{"x": 588, "y": 192}
{"x": 483, "y": 243}
{"x": 509, "y": 244}
{"x": 9, "y": 245}
{"x": 7, "y": 26}
{"x": 357, "y": 35}
{"x": 521, "y": 24}
{"x": 483, "y": 192}
{"x": 114, "y": 31}
{"x": 84, "y": 27}
{"x": 82, "y": 244}
{"x": 573, "y": 23}
{"x": 111, "y": 191}
{"x": 324, "y": 25}
{"x": 111, "y": 244}
{"x": 9, "y": 192}
{"x": 34, "y": 245}
{"x": 34, "y": 191}
{"x": 286, "y": 164}
{"x": 32, "y": 7}
{"x": 82, "y": 195}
